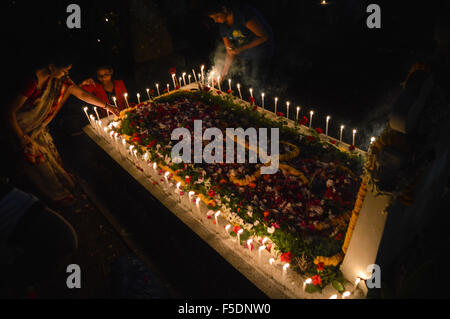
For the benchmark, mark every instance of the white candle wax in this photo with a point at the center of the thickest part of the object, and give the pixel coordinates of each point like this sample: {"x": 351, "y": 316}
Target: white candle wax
{"x": 126, "y": 99}
{"x": 240, "y": 231}
{"x": 157, "y": 89}
{"x": 251, "y": 92}
{"x": 239, "y": 89}
{"x": 311, "y": 118}
{"x": 195, "y": 77}
{"x": 229, "y": 84}
{"x": 340, "y": 134}
{"x": 189, "y": 78}
{"x": 96, "y": 112}
{"x": 168, "y": 88}
{"x": 326, "y": 128}
{"x": 138, "y": 98}
{"x": 174, "y": 82}
{"x": 287, "y": 106}
{"x": 298, "y": 112}
{"x": 85, "y": 109}
{"x": 184, "y": 78}
{"x": 262, "y": 99}
{"x": 354, "y": 134}
{"x": 179, "y": 82}
{"x": 218, "y": 83}
{"x": 115, "y": 101}
{"x": 216, "y": 215}
{"x": 203, "y": 74}
{"x": 148, "y": 94}
{"x": 276, "y": 104}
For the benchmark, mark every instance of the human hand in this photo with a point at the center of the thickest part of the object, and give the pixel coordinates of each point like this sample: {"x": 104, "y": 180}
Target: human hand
{"x": 235, "y": 51}
{"x": 89, "y": 81}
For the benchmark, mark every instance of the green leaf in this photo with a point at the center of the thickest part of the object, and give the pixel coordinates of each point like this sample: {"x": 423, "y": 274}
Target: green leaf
{"x": 312, "y": 289}
{"x": 338, "y": 286}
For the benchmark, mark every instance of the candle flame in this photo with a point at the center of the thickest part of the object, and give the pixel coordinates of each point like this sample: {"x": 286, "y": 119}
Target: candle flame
{"x": 346, "y": 294}
{"x": 286, "y": 266}
{"x": 308, "y": 281}
{"x": 271, "y": 261}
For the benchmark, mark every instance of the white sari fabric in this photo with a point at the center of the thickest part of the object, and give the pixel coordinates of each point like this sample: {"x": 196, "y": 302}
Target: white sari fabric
{"x": 43, "y": 167}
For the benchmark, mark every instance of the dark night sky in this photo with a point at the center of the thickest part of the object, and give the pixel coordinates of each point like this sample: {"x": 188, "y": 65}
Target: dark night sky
{"x": 325, "y": 57}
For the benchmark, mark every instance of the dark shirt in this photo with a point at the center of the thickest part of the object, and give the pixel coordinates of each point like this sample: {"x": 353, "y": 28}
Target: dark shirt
{"x": 240, "y": 35}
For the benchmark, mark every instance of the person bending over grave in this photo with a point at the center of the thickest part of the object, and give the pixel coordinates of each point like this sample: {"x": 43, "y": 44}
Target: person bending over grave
{"x": 27, "y": 115}
{"x": 106, "y": 88}
{"x": 247, "y": 37}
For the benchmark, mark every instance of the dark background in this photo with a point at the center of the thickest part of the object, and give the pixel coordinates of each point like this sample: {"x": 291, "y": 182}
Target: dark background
{"x": 326, "y": 58}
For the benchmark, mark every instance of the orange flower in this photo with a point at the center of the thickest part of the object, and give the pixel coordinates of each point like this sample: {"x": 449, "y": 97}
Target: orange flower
{"x": 223, "y": 181}
{"x": 266, "y": 213}
{"x": 252, "y": 185}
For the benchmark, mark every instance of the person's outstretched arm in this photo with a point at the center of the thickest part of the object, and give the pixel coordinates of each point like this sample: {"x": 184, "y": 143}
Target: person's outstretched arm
{"x": 229, "y": 59}
{"x": 85, "y": 96}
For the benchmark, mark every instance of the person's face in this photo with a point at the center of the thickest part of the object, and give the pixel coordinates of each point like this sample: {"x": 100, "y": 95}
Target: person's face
{"x": 104, "y": 75}
{"x": 219, "y": 17}
{"x": 59, "y": 72}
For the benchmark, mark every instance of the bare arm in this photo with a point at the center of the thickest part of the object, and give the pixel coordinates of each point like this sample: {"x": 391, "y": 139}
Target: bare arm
{"x": 85, "y": 96}
{"x": 229, "y": 59}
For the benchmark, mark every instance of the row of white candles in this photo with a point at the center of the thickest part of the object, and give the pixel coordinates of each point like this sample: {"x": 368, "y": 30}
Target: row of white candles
{"x": 201, "y": 78}
{"x": 151, "y": 170}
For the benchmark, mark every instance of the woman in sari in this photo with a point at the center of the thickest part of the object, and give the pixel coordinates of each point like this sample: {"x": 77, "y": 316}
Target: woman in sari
{"x": 28, "y": 116}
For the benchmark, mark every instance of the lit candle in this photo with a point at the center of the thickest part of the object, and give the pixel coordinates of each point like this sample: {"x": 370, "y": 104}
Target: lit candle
{"x": 227, "y": 229}
{"x": 197, "y": 201}
{"x": 189, "y": 78}
{"x": 199, "y": 78}
{"x": 310, "y": 118}
{"x": 166, "y": 176}
{"x": 179, "y": 82}
{"x": 372, "y": 140}
{"x": 195, "y": 77}
{"x": 261, "y": 248}
{"x": 115, "y": 101}
{"x": 218, "y": 83}
{"x": 239, "y": 89}
{"x": 354, "y": 134}
{"x": 148, "y": 94}
{"x": 168, "y": 88}
{"x": 155, "y": 166}
{"x": 174, "y": 83}
{"x": 287, "y": 106}
{"x": 85, "y": 109}
{"x": 251, "y": 92}
{"x": 126, "y": 99}
{"x": 229, "y": 84}
{"x": 262, "y": 99}
{"x": 157, "y": 89}
{"x": 203, "y": 74}
{"x": 346, "y": 294}
{"x": 298, "y": 112}
{"x": 139, "y": 98}
{"x": 239, "y": 233}
{"x": 342, "y": 130}
{"x": 216, "y": 215}
{"x": 271, "y": 262}
{"x": 212, "y": 79}
{"x": 326, "y": 128}
{"x": 184, "y": 78}
{"x": 249, "y": 244}
{"x": 96, "y": 112}
{"x": 307, "y": 282}
{"x": 276, "y": 103}
{"x": 285, "y": 268}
